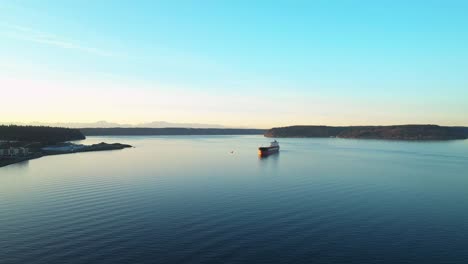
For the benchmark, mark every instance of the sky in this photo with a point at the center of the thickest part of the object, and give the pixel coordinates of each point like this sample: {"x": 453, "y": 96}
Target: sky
{"x": 235, "y": 63}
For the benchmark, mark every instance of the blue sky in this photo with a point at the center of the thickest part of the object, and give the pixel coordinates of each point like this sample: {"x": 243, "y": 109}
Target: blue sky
{"x": 236, "y": 63}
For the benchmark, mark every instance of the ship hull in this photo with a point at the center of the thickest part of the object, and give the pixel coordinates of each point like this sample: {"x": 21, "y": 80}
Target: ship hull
{"x": 267, "y": 150}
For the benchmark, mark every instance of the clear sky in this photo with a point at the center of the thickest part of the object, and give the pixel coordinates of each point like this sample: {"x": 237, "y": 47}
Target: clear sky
{"x": 235, "y": 63}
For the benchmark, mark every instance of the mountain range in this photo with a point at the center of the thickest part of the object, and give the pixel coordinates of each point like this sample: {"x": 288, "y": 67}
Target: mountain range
{"x": 105, "y": 124}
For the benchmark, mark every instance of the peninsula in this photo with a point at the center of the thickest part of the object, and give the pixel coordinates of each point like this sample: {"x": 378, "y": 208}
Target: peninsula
{"x": 21, "y": 143}
{"x": 398, "y": 132}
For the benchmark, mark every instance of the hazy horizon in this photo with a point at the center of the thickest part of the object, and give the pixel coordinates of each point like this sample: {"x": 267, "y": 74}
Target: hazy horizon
{"x": 235, "y": 64}
{"x": 165, "y": 124}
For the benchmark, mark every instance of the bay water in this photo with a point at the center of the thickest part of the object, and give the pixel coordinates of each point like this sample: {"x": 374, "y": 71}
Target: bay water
{"x": 212, "y": 199}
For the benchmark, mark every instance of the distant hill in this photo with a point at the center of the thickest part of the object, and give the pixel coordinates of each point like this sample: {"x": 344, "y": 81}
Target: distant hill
{"x": 169, "y": 131}
{"x": 399, "y": 132}
{"x": 39, "y": 134}
{"x": 105, "y": 124}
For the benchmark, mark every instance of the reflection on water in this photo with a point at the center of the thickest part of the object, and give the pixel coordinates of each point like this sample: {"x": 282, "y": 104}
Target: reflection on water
{"x": 211, "y": 199}
{"x": 19, "y": 165}
{"x": 274, "y": 155}
{"x": 269, "y": 160}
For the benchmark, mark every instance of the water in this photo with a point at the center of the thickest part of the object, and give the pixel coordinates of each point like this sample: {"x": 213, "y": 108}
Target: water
{"x": 189, "y": 200}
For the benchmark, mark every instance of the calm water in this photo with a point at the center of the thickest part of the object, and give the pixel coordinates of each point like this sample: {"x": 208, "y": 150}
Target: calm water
{"x": 189, "y": 200}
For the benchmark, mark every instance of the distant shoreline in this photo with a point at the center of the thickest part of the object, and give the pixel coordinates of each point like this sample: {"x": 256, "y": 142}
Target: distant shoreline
{"x": 119, "y": 131}
{"x": 399, "y": 132}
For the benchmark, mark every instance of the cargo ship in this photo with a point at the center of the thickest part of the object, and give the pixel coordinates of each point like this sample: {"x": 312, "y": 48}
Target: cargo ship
{"x": 273, "y": 148}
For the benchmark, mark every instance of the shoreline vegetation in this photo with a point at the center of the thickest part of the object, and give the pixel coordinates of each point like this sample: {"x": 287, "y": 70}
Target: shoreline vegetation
{"x": 399, "y": 132}
{"x": 42, "y": 134}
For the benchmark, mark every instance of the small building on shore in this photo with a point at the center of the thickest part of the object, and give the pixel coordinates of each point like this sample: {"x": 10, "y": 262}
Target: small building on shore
{"x": 63, "y": 148}
{"x": 14, "y": 152}
{"x": 4, "y": 152}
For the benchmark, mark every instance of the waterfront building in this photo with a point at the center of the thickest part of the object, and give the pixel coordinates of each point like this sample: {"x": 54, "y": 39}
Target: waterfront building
{"x": 4, "y": 152}
{"x": 14, "y": 152}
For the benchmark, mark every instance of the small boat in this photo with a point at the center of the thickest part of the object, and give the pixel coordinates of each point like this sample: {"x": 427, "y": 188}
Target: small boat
{"x": 273, "y": 148}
